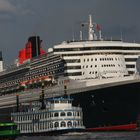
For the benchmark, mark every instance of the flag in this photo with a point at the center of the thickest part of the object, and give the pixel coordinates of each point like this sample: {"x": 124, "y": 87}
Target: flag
{"x": 98, "y": 27}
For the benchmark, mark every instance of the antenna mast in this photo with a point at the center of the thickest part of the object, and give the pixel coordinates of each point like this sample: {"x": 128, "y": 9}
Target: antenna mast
{"x": 90, "y": 30}
{"x": 81, "y": 35}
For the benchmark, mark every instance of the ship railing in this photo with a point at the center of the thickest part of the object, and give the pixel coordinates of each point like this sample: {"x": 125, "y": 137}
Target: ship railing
{"x": 50, "y": 119}
{"x": 45, "y": 111}
{"x": 29, "y": 120}
{"x": 63, "y": 118}
{"x": 14, "y": 69}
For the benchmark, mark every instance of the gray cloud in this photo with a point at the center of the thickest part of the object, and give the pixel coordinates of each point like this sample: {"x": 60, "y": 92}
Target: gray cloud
{"x": 12, "y": 9}
{"x": 7, "y": 10}
{"x": 6, "y": 6}
{"x": 58, "y": 20}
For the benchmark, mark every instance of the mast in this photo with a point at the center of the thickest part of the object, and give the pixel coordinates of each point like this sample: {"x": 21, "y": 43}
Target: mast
{"x": 1, "y": 62}
{"x": 90, "y": 29}
{"x": 81, "y": 35}
{"x": 65, "y": 89}
{"x": 66, "y": 95}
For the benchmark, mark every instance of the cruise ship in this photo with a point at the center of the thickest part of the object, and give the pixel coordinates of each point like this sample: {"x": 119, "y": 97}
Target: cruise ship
{"x": 102, "y": 76}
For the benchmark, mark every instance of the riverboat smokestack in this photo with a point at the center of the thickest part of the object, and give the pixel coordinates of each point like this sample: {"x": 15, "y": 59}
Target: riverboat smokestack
{"x": 17, "y": 102}
{"x": 1, "y": 62}
{"x": 42, "y": 96}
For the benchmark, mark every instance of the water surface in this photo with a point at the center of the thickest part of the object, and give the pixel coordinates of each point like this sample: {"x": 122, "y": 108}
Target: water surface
{"x": 89, "y": 136}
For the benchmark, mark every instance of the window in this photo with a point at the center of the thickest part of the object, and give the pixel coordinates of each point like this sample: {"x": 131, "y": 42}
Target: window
{"x": 78, "y": 113}
{"x": 62, "y": 114}
{"x": 56, "y": 124}
{"x": 69, "y": 114}
{"x": 75, "y": 123}
{"x": 56, "y": 114}
{"x": 130, "y": 66}
{"x": 130, "y": 59}
{"x": 63, "y": 124}
{"x": 51, "y": 125}
{"x": 69, "y": 124}
{"x": 51, "y": 115}
{"x": 73, "y": 74}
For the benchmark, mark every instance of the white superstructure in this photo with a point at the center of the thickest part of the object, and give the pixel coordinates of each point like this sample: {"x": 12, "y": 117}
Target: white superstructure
{"x": 98, "y": 58}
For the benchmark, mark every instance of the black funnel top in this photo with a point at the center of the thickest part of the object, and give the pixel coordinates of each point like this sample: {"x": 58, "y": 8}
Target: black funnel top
{"x": 35, "y": 41}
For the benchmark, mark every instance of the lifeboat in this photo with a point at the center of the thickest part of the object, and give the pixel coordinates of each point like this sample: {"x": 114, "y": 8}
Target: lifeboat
{"x": 46, "y": 78}
{"x": 23, "y": 84}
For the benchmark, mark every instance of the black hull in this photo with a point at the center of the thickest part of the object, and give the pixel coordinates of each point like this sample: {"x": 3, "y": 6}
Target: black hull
{"x": 111, "y": 106}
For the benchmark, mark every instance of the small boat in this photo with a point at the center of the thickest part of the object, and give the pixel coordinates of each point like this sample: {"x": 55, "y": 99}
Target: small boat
{"x": 51, "y": 117}
{"x": 8, "y": 131}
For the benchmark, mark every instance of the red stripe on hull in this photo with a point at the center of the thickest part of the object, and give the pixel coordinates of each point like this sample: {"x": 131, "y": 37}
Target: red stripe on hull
{"x": 127, "y": 127}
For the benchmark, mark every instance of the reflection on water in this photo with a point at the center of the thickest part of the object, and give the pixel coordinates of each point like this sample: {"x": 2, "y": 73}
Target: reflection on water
{"x": 89, "y": 136}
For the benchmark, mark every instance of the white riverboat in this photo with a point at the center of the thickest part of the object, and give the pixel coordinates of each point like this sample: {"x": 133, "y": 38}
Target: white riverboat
{"x": 57, "y": 116}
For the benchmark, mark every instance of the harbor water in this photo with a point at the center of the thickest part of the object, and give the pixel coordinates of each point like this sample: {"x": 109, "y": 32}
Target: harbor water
{"x": 89, "y": 136}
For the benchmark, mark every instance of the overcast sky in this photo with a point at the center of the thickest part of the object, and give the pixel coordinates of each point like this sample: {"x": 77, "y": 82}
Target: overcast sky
{"x": 57, "y": 20}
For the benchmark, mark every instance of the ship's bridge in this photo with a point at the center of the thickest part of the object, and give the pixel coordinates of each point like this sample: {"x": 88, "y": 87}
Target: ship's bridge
{"x": 60, "y": 103}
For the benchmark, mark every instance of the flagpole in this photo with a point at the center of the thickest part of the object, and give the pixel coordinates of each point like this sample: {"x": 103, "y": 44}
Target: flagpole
{"x": 100, "y": 35}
